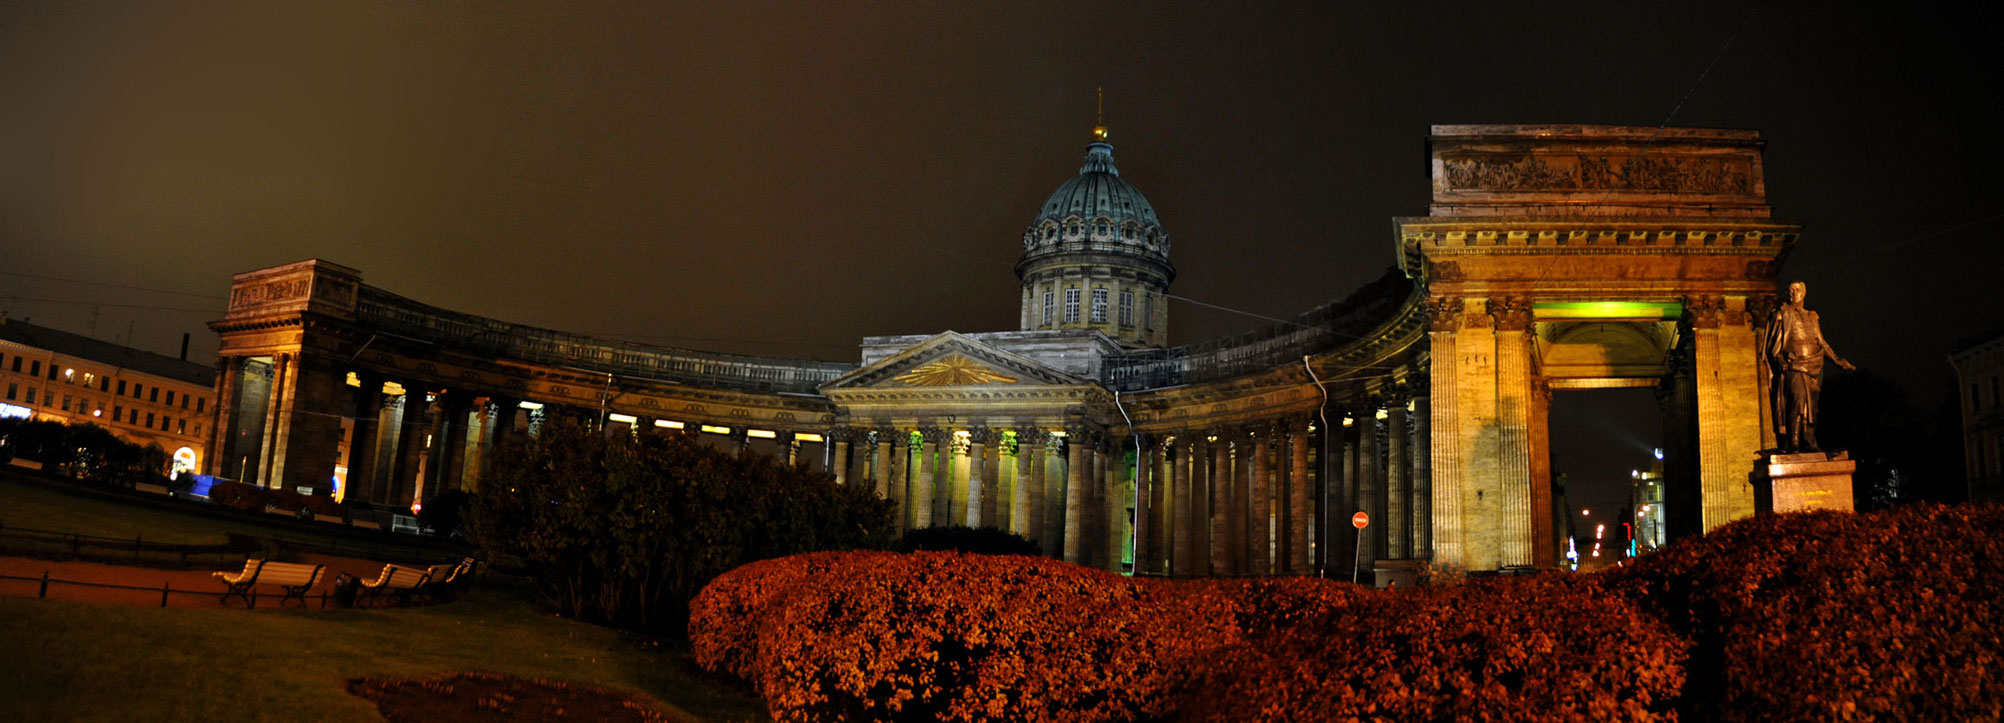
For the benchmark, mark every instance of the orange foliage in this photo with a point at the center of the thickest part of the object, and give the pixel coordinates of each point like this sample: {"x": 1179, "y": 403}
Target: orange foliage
{"x": 1891, "y": 615}
{"x": 1887, "y": 616}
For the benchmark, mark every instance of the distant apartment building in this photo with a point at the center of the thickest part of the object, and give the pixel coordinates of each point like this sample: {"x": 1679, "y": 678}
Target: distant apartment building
{"x": 143, "y": 397}
{"x": 1979, "y": 372}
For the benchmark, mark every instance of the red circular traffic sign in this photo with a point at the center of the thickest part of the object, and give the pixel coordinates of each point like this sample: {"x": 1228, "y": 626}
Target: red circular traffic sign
{"x": 1359, "y": 520}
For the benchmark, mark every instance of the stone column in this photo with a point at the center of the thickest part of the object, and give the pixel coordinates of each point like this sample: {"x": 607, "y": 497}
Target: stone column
{"x": 900, "y": 478}
{"x": 411, "y": 426}
{"x": 1370, "y": 490}
{"x": 1182, "y": 527}
{"x": 1398, "y": 489}
{"x": 1019, "y": 504}
{"x": 223, "y": 417}
{"x": 1298, "y": 498}
{"x": 924, "y": 478}
{"x": 1199, "y": 519}
{"x": 881, "y": 466}
{"x": 839, "y": 464}
{"x": 1544, "y": 529}
{"x": 993, "y": 503}
{"x": 1076, "y": 460}
{"x": 1423, "y": 474}
{"x": 1049, "y": 505}
{"x": 1114, "y": 496}
{"x": 1729, "y": 433}
{"x": 979, "y": 507}
{"x": 1145, "y": 506}
{"x": 1444, "y": 317}
{"x": 1513, "y": 416}
{"x": 1259, "y": 511}
{"x": 363, "y": 439}
{"x": 1221, "y": 503}
{"x": 274, "y": 403}
{"x": 449, "y": 447}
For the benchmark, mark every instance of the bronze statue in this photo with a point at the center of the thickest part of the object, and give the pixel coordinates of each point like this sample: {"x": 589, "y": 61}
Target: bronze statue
{"x": 1795, "y": 350}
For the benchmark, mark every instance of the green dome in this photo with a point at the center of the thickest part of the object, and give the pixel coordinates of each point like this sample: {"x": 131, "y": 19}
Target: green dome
{"x": 1098, "y": 204}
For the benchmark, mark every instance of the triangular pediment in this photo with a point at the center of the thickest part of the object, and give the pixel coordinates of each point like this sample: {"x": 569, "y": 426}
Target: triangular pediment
{"x": 951, "y": 359}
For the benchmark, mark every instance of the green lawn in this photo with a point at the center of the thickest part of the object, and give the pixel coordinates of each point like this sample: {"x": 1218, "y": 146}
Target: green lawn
{"x": 78, "y": 661}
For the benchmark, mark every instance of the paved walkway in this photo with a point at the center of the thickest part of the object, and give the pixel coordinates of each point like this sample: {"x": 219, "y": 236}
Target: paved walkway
{"x": 190, "y": 588}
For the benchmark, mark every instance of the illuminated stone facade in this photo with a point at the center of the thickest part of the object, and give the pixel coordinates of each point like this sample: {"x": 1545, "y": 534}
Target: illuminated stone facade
{"x": 1553, "y": 257}
{"x": 143, "y": 398}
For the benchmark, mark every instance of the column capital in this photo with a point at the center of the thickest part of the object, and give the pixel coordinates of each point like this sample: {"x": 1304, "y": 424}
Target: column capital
{"x": 983, "y": 435}
{"x": 1512, "y": 313}
{"x": 1705, "y": 310}
{"x": 931, "y": 434}
{"x": 1761, "y": 309}
{"x": 1443, "y": 314}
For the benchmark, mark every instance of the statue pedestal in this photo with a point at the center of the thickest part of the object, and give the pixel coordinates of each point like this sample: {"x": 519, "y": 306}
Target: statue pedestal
{"x": 1801, "y": 482}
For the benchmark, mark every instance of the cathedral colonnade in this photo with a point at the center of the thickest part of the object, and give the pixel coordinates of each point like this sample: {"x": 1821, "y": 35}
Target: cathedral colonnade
{"x": 1551, "y": 259}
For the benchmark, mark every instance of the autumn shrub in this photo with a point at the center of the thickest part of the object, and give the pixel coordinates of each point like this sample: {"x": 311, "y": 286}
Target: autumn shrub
{"x": 237, "y": 495}
{"x": 284, "y": 500}
{"x": 1890, "y": 615}
{"x": 948, "y": 636}
{"x": 979, "y": 540}
{"x": 1543, "y": 648}
{"x": 322, "y": 505}
{"x": 724, "y": 618}
{"x": 626, "y": 531}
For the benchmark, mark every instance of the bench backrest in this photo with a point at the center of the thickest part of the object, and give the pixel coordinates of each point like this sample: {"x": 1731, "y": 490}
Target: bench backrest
{"x": 402, "y": 578}
{"x": 289, "y": 574}
{"x": 251, "y": 567}
{"x": 437, "y": 574}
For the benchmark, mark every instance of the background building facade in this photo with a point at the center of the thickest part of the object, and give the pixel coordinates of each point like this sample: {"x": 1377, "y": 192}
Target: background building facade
{"x": 144, "y": 398}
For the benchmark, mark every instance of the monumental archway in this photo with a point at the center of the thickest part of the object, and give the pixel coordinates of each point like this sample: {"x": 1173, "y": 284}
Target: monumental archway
{"x": 1581, "y": 257}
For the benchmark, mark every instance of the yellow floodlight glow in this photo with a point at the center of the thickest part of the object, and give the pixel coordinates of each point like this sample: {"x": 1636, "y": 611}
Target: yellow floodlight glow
{"x": 626, "y": 418}
{"x": 808, "y": 437}
{"x": 669, "y": 424}
{"x": 1623, "y": 310}
{"x": 716, "y": 430}
{"x": 760, "y": 433}
{"x": 531, "y": 406}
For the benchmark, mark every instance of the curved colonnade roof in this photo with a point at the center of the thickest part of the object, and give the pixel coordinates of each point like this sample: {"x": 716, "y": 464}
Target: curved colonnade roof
{"x": 1320, "y": 330}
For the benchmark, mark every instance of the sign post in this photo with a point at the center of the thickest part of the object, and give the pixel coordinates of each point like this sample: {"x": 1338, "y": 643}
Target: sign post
{"x": 1359, "y": 521}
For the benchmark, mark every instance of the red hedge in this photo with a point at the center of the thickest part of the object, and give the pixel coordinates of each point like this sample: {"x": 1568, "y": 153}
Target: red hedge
{"x": 1545, "y": 648}
{"x": 1824, "y": 616}
{"x": 1828, "y": 616}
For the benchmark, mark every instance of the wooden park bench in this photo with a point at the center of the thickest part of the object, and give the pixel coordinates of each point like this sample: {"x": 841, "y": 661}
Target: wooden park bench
{"x": 396, "y": 579}
{"x": 294, "y": 578}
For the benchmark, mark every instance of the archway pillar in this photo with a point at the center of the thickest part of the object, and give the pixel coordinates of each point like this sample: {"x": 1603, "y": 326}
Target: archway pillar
{"x": 1725, "y": 359}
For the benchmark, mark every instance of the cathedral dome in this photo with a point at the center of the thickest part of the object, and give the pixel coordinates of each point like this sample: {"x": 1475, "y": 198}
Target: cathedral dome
{"x": 1097, "y": 205}
{"x": 1096, "y": 258}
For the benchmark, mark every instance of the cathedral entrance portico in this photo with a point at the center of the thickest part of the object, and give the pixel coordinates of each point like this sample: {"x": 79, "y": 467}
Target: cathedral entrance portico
{"x": 1581, "y": 257}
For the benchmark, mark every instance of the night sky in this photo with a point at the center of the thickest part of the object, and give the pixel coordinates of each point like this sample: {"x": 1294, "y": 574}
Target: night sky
{"x": 786, "y": 178}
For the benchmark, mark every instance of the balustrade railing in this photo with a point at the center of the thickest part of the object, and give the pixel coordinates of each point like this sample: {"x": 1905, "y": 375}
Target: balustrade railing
{"x": 397, "y": 315}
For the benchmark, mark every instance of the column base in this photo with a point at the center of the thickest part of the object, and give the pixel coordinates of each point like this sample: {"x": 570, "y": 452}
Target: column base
{"x": 1801, "y": 482}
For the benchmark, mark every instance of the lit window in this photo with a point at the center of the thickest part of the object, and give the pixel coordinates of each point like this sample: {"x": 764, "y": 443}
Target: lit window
{"x": 89, "y": 379}
{"x": 1071, "y": 306}
{"x": 181, "y": 426}
{"x": 1099, "y": 305}
{"x": 1127, "y": 308}
{"x": 70, "y": 376}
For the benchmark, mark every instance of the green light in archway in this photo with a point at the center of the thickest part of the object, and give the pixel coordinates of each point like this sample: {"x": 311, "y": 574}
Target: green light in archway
{"x": 1629, "y": 310}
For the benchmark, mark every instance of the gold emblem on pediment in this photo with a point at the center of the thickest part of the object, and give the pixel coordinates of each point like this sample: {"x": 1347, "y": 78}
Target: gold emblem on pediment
{"x": 955, "y": 370}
